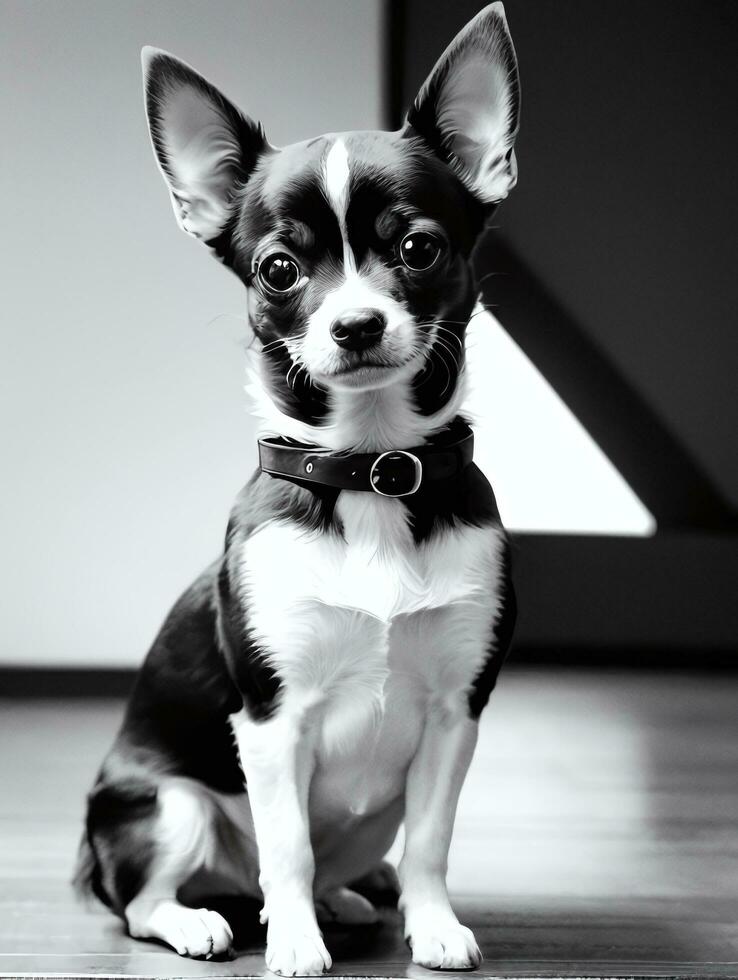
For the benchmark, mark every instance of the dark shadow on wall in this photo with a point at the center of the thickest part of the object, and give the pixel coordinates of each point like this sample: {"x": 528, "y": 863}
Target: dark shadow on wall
{"x": 614, "y": 273}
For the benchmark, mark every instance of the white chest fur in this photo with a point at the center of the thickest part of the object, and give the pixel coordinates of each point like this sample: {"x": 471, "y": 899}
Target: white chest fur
{"x": 374, "y": 568}
{"x": 367, "y": 621}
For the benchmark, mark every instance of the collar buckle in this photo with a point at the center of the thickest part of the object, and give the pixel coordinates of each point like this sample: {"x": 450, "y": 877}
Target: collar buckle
{"x": 396, "y": 473}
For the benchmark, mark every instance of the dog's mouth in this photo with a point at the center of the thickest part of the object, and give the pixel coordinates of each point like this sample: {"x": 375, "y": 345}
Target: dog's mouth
{"x": 362, "y": 362}
{"x": 364, "y": 367}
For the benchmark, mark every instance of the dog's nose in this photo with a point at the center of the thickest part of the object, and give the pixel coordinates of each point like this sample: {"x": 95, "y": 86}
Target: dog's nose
{"x": 358, "y": 329}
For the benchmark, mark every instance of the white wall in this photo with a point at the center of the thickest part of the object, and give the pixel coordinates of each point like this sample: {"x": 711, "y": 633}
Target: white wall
{"x": 124, "y": 430}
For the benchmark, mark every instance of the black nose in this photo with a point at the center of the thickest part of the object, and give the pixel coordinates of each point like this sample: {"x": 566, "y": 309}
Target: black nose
{"x": 358, "y": 329}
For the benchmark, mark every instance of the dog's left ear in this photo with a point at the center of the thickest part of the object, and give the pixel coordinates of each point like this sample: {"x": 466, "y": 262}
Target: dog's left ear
{"x": 468, "y": 109}
{"x": 204, "y": 145}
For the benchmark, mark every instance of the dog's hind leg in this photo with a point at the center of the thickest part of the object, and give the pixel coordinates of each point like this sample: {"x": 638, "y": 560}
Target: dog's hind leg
{"x": 191, "y": 932}
{"x": 148, "y": 841}
{"x": 347, "y": 907}
{"x": 380, "y": 885}
{"x": 184, "y": 840}
{"x": 355, "y": 903}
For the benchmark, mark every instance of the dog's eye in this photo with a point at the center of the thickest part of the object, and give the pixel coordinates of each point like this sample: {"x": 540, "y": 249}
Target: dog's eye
{"x": 279, "y": 272}
{"x": 420, "y": 250}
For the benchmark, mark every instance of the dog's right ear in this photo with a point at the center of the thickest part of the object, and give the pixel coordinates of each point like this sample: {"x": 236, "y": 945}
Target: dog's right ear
{"x": 205, "y": 147}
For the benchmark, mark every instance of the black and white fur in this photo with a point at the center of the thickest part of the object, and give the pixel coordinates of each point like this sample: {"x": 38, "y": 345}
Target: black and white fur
{"x": 340, "y": 652}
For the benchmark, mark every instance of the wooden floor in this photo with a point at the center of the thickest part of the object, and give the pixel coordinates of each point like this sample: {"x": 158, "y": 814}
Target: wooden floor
{"x": 597, "y": 837}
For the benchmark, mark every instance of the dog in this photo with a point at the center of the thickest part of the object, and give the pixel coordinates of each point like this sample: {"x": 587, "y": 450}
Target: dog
{"x": 322, "y": 681}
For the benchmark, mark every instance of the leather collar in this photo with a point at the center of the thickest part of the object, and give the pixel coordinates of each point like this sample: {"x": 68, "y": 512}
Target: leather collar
{"x": 396, "y": 473}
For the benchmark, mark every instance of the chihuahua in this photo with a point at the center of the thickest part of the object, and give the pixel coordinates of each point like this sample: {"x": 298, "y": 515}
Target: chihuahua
{"x": 321, "y": 683}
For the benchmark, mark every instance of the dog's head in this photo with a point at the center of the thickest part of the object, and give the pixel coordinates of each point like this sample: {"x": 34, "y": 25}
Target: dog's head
{"x": 354, "y": 246}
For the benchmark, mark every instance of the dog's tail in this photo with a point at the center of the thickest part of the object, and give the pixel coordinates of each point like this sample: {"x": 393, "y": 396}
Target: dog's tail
{"x": 110, "y": 843}
{"x": 87, "y": 879}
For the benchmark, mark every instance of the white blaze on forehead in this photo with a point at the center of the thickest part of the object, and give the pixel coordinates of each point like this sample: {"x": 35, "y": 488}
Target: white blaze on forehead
{"x": 336, "y": 173}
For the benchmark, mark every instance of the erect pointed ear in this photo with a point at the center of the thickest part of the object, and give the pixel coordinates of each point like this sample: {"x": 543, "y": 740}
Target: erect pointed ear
{"x": 204, "y": 146}
{"x": 469, "y": 107}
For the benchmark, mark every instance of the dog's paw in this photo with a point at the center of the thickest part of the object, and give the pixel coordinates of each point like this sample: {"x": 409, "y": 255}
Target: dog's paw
{"x": 292, "y": 952}
{"x": 382, "y": 879}
{"x": 345, "y": 907}
{"x": 442, "y": 943}
{"x": 191, "y": 932}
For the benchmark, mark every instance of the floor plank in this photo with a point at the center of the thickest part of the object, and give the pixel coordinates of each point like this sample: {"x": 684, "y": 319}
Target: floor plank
{"x": 597, "y": 837}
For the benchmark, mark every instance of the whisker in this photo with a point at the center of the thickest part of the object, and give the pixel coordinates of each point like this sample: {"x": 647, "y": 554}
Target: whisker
{"x": 273, "y": 344}
{"x": 294, "y": 337}
{"x": 457, "y": 323}
{"x": 448, "y": 377}
{"x": 228, "y": 316}
{"x": 308, "y": 379}
{"x": 437, "y": 351}
{"x": 490, "y": 275}
{"x": 298, "y": 366}
{"x": 452, "y": 354}
{"x": 429, "y": 367}
{"x": 441, "y": 324}
{"x": 282, "y": 340}
{"x": 451, "y": 335}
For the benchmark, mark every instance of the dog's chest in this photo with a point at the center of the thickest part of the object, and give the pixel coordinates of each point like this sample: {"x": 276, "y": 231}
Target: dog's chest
{"x": 367, "y": 623}
{"x": 372, "y": 567}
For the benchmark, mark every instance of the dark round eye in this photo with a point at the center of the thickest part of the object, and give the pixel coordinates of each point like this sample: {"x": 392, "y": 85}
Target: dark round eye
{"x": 419, "y": 250}
{"x": 279, "y": 272}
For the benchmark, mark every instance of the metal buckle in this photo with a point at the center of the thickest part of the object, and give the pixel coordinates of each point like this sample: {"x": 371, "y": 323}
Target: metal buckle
{"x": 375, "y": 475}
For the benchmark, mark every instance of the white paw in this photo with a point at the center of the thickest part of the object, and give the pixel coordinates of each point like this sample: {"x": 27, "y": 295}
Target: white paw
{"x": 292, "y": 952}
{"x": 192, "y": 932}
{"x": 343, "y": 906}
{"x": 442, "y": 944}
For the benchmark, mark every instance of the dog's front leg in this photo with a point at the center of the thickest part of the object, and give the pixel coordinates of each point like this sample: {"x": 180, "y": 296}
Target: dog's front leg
{"x": 436, "y": 775}
{"x": 278, "y": 761}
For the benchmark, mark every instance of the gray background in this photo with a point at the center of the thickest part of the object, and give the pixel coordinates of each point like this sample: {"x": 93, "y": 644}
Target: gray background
{"x": 125, "y": 431}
